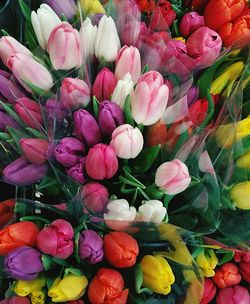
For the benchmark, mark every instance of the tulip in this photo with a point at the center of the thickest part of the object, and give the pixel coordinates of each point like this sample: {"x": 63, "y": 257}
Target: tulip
{"x": 86, "y": 128}
{"x": 75, "y": 302}
{"x": 227, "y": 10}
{"x": 204, "y": 44}
{"x": 104, "y": 84}
{"x": 191, "y": 22}
{"x": 157, "y": 274}
{"x": 90, "y": 246}
{"x": 38, "y": 296}
{"x": 209, "y": 291}
{"x": 7, "y": 121}
{"x": 10, "y": 46}
{"x": 241, "y": 256}
{"x": 110, "y": 116}
{"x": 207, "y": 261}
{"x": 23, "y": 173}
{"x": 146, "y": 6}
{"x": 88, "y": 35}
{"x": 23, "y": 263}
{"x": 152, "y": 211}
{"x": 132, "y": 32}
{"x": 75, "y": 93}
{"x": 109, "y": 284}
{"x": 65, "y": 40}
{"x": 43, "y": 23}
{"x": 192, "y": 95}
{"x": 127, "y": 141}
{"x": 67, "y": 8}
{"x": 245, "y": 270}
{"x": 236, "y": 33}
{"x": 198, "y": 111}
{"x": 29, "y": 111}
{"x": 55, "y": 109}
{"x": 15, "y": 300}
{"x": 25, "y": 288}
{"x": 27, "y": 70}
{"x": 120, "y": 249}
{"x": 128, "y": 61}
{"x": 94, "y": 197}
{"x": 57, "y": 239}
{"x": 227, "y": 275}
{"x": 172, "y": 177}
{"x": 77, "y": 172}
{"x": 70, "y": 288}
{"x": 123, "y": 88}
{"x": 149, "y": 101}
{"x": 107, "y": 44}
{"x": 233, "y": 295}
{"x": 69, "y": 151}
{"x": 163, "y": 16}
{"x": 156, "y": 134}
{"x": 240, "y": 195}
{"x": 34, "y": 150}
{"x": 92, "y": 7}
{"x": 17, "y": 235}
{"x": 6, "y": 212}
{"x": 101, "y": 162}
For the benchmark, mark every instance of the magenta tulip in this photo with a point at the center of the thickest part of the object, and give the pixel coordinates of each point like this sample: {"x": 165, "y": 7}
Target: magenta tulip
{"x": 7, "y": 121}
{"x": 30, "y": 112}
{"x": 55, "y": 109}
{"x": 77, "y": 172}
{"x": 191, "y": 22}
{"x": 91, "y": 246}
{"x": 35, "y": 150}
{"x": 233, "y": 295}
{"x": 104, "y": 85}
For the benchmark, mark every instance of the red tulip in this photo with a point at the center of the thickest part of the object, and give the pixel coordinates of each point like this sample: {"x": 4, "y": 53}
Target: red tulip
{"x": 156, "y": 134}
{"x": 6, "y": 212}
{"x": 227, "y": 275}
{"x": 245, "y": 271}
{"x": 208, "y": 292}
{"x": 197, "y": 5}
{"x": 163, "y": 16}
{"x": 241, "y": 256}
{"x": 146, "y": 6}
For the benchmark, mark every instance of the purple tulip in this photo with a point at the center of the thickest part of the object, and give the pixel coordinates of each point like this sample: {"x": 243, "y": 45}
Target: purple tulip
{"x": 7, "y": 121}
{"x": 91, "y": 246}
{"x": 23, "y": 263}
{"x": 110, "y": 117}
{"x": 95, "y": 19}
{"x": 77, "y": 172}
{"x": 55, "y": 109}
{"x": 86, "y": 128}
{"x": 192, "y": 95}
{"x": 66, "y": 7}
{"x": 69, "y": 151}
{"x": 21, "y": 172}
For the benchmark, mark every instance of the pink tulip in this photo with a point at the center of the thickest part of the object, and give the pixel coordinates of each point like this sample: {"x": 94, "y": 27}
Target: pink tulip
{"x": 208, "y": 292}
{"x": 16, "y": 300}
{"x": 204, "y": 44}
{"x": 127, "y": 141}
{"x": 128, "y": 61}
{"x": 64, "y": 47}
{"x": 75, "y": 93}
{"x": 233, "y": 295}
{"x": 104, "y": 84}
{"x": 101, "y": 162}
{"x": 95, "y": 197}
{"x": 34, "y": 150}
{"x": 132, "y": 32}
{"x": 191, "y": 22}
{"x": 150, "y": 99}
{"x": 172, "y": 177}
{"x": 27, "y": 70}
{"x": 10, "y": 46}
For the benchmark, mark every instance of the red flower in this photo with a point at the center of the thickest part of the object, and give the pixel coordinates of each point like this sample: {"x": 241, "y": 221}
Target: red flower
{"x": 146, "y": 6}
{"x": 208, "y": 292}
{"x": 245, "y": 271}
{"x": 197, "y": 5}
{"x": 227, "y": 275}
{"x": 6, "y": 212}
{"x": 163, "y": 16}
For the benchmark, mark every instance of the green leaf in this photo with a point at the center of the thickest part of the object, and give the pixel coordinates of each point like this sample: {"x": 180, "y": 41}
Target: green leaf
{"x": 127, "y": 112}
{"x": 226, "y": 257}
{"x": 34, "y": 219}
{"x": 145, "y": 69}
{"x": 74, "y": 271}
{"x": 64, "y": 18}
{"x": 145, "y": 159}
{"x": 36, "y": 133}
{"x": 38, "y": 91}
{"x": 61, "y": 262}
{"x": 139, "y": 281}
{"x": 4, "y": 136}
{"x": 96, "y": 105}
{"x": 5, "y": 33}
{"x": 11, "y": 112}
{"x": 31, "y": 37}
{"x": 48, "y": 262}
{"x": 26, "y": 11}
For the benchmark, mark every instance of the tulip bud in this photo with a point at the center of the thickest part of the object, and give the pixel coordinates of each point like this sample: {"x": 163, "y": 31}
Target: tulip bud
{"x": 101, "y": 162}
{"x": 77, "y": 172}
{"x": 127, "y": 141}
{"x": 90, "y": 246}
{"x": 163, "y": 16}
{"x": 192, "y": 95}
{"x": 209, "y": 291}
{"x": 240, "y": 195}
{"x": 110, "y": 116}
{"x": 86, "y": 128}
{"x": 88, "y": 35}
{"x": 128, "y": 61}
{"x": 233, "y": 295}
{"x": 95, "y": 197}
{"x": 198, "y": 111}
{"x": 25, "y": 288}
{"x": 107, "y": 42}
{"x": 172, "y": 177}
{"x": 6, "y": 212}
{"x": 65, "y": 40}
{"x": 241, "y": 256}
{"x": 60, "y": 233}
{"x": 92, "y": 7}
{"x": 15, "y": 300}
{"x": 152, "y": 211}
{"x": 22, "y": 173}
{"x": 245, "y": 270}
{"x": 119, "y": 210}
{"x": 7, "y": 121}
{"x": 104, "y": 84}
{"x": 191, "y": 22}
{"x": 43, "y": 23}
{"x": 67, "y": 8}
{"x": 149, "y": 101}
{"x": 227, "y": 275}
{"x": 29, "y": 111}
{"x": 23, "y": 263}
{"x": 34, "y": 150}
{"x": 207, "y": 261}
{"x": 123, "y": 88}
{"x": 75, "y": 93}
{"x": 132, "y": 32}
{"x": 55, "y": 109}
{"x": 38, "y": 296}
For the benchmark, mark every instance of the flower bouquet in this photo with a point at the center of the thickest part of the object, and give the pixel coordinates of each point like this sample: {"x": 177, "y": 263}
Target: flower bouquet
{"x": 125, "y": 128}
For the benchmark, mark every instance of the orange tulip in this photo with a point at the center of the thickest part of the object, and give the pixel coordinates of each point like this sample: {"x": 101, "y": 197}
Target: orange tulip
{"x": 6, "y": 212}
{"x": 120, "y": 249}
{"x": 17, "y": 235}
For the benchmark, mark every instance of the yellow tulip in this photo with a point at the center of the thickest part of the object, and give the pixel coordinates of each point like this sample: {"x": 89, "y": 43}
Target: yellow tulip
{"x": 157, "y": 274}
{"x": 92, "y": 7}
{"x": 69, "y": 288}
{"x": 244, "y": 161}
{"x": 226, "y": 135}
{"x": 180, "y": 39}
{"x": 240, "y": 195}
{"x": 38, "y": 296}
{"x": 207, "y": 261}
{"x": 24, "y": 288}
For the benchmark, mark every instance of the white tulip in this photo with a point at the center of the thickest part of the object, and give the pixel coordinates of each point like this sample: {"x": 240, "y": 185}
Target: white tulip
{"x": 123, "y": 88}
{"x": 152, "y": 211}
{"x": 88, "y": 36}
{"x": 107, "y": 44}
{"x": 120, "y": 210}
{"x": 43, "y": 22}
